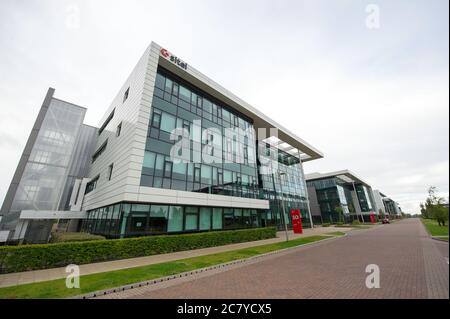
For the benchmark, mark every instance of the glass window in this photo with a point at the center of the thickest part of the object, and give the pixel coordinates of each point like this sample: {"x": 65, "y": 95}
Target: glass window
{"x": 175, "y": 89}
{"x": 149, "y": 159}
{"x": 226, "y": 115}
{"x": 206, "y": 174}
{"x": 168, "y": 169}
{"x": 197, "y": 174}
{"x": 137, "y": 223}
{"x": 207, "y": 106}
{"x": 175, "y": 219}
{"x": 190, "y": 172}
{"x": 244, "y": 179}
{"x": 157, "y": 182}
{"x": 246, "y": 217}
{"x": 227, "y": 177}
{"x": 99, "y": 151}
{"x": 119, "y": 129}
{"x": 179, "y": 170}
{"x": 158, "y": 219}
{"x": 197, "y": 132}
{"x": 167, "y": 122}
{"x": 187, "y": 126}
{"x": 199, "y": 101}
{"x": 92, "y": 184}
{"x": 191, "y": 222}
{"x": 126, "y": 94}
{"x": 193, "y": 98}
{"x": 238, "y": 217}
{"x": 110, "y": 171}
{"x": 125, "y": 208}
{"x": 139, "y": 208}
{"x": 228, "y": 217}
{"x": 160, "y": 81}
{"x": 156, "y": 119}
{"x": 159, "y": 165}
{"x": 138, "y": 219}
{"x": 217, "y": 218}
{"x": 205, "y": 218}
{"x": 185, "y": 94}
{"x": 168, "y": 87}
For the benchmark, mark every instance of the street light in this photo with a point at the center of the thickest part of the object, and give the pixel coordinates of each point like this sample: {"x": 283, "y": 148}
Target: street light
{"x": 281, "y": 199}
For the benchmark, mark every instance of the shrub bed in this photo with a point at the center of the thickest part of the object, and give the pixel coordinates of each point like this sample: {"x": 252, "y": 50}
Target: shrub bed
{"x": 32, "y": 257}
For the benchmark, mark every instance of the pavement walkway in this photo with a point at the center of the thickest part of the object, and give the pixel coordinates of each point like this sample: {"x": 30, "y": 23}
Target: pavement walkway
{"x": 21, "y": 278}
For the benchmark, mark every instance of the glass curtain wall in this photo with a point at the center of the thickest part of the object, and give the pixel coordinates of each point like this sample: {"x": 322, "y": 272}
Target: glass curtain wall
{"x": 233, "y": 170}
{"x": 131, "y": 220}
{"x": 364, "y": 198}
{"x": 289, "y": 187}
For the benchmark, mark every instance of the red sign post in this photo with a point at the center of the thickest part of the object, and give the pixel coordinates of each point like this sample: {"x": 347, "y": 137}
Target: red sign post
{"x": 296, "y": 221}
{"x": 372, "y": 218}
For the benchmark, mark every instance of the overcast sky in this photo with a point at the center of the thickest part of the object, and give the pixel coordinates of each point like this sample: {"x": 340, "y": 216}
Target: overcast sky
{"x": 373, "y": 100}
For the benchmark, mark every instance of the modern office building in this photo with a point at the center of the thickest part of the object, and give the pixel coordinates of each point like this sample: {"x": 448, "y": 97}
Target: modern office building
{"x": 339, "y": 196}
{"x": 388, "y": 206}
{"x": 176, "y": 152}
{"x": 56, "y": 157}
{"x": 378, "y": 201}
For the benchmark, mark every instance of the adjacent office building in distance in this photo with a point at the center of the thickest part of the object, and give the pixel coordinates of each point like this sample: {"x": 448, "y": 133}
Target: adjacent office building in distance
{"x": 175, "y": 152}
{"x": 342, "y": 196}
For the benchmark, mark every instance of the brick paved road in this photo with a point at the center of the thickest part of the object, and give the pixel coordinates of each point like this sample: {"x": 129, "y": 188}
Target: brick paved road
{"x": 411, "y": 264}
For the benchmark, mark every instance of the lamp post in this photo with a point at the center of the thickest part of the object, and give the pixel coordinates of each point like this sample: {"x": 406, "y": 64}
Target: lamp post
{"x": 282, "y": 203}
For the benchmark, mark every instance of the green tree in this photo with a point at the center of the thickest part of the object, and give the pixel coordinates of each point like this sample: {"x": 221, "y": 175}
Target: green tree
{"x": 434, "y": 207}
{"x": 424, "y": 211}
{"x": 381, "y": 213}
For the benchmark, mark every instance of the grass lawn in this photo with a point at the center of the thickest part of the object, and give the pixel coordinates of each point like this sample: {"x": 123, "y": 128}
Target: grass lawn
{"x": 89, "y": 283}
{"x": 434, "y": 229}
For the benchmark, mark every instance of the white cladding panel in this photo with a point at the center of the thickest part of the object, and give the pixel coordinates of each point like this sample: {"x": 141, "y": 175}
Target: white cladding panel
{"x": 126, "y": 152}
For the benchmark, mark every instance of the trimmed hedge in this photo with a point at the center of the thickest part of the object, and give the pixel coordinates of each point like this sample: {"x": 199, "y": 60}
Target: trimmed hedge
{"x": 32, "y": 257}
{"x": 63, "y": 237}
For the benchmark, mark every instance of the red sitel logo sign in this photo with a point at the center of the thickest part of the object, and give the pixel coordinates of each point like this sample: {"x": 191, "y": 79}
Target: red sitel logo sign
{"x": 166, "y": 54}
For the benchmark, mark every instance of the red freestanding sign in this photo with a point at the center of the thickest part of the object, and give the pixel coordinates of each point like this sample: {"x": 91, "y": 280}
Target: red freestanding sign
{"x": 296, "y": 221}
{"x": 372, "y": 218}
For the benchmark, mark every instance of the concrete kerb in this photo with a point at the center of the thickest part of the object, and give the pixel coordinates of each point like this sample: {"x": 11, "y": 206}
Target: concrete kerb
{"x": 104, "y": 292}
{"x": 431, "y": 236}
{"x": 439, "y": 239}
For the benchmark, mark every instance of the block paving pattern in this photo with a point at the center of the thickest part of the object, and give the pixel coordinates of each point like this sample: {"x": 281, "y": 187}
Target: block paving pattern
{"x": 412, "y": 265}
